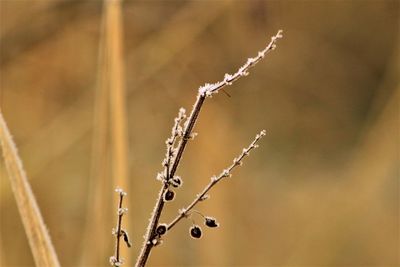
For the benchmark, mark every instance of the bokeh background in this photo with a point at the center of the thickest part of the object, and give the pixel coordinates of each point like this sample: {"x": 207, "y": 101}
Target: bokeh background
{"x": 322, "y": 190}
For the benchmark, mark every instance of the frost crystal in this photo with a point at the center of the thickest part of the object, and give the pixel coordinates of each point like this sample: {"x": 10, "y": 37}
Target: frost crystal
{"x": 115, "y": 262}
{"x": 120, "y": 191}
{"x": 160, "y": 176}
{"x": 121, "y": 211}
{"x": 263, "y": 132}
{"x": 251, "y": 61}
{"x": 225, "y": 173}
{"x": 182, "y": 112}
{"x": 204, "y": 197}
{"x": 182, "y": 211}
{"x": 193, "y": 135}
{"x": 204, "y": 89}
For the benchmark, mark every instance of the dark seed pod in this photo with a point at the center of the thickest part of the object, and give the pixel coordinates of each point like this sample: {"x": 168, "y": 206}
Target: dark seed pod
{"x": 161, "y": 229}
{"x": 211, "y": 222}
{"x": 195, "y": 231}
{"x": 169, "y": 195}
{"x": 176, "y": 181}
{"x": 126, "y": 238}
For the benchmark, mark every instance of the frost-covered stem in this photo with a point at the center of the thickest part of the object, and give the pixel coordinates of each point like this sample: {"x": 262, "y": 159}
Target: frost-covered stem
{"x": 118, "y": 237}
{"x": 187, "y": 132}
{"x": 118, "y": 232}
{"x": 210, "y": 89}
{"x": 204, "y": 91}
{"x": 148, "y": 245}
{"x": 215, "y": 179}
{"x": 176, "y": 131}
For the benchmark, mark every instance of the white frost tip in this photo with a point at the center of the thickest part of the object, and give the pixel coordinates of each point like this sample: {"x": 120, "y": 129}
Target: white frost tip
{"x": 204, "y": 89}
{"x": 115, "y": 262}
{"x": 121, "y": 211}
{"x": 263, "y": 132}
{"x": 120, "y": 191}
{"x": 182, "y": 211}
{"x": 160, "y": 176}
{"x": 228, "y": 79}
{"x": 225, "y": 173}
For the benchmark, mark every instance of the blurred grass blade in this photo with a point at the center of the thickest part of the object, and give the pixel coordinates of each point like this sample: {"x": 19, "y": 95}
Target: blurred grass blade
{"x": 114, "y": 39}
{"x": 38, "y": 237}
{"x": 109, "y": 107}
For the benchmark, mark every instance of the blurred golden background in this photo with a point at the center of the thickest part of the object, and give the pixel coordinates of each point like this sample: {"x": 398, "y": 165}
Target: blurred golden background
{"x": 322, "y": 190}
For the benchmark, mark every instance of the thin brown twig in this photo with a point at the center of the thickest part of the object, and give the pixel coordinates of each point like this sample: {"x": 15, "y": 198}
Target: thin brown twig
{"x": 215, "y": 179}
{"x": 39, "y": 239}
{"x": 116, "y": 259}
{"x": 204, "y": 91}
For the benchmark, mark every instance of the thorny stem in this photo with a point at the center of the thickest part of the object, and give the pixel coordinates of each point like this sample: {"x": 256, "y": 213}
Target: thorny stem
{"x": 214, "y": 180}
{"x": 204, "y": 91}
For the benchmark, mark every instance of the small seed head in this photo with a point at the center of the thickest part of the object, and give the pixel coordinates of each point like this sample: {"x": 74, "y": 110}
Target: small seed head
{"x": 176, "y": 181}
{"x": 169, "y": 195}
{"x": 195, "y": 231}
{"x": 161, "y": 229}
{"x": 211, "y": 222}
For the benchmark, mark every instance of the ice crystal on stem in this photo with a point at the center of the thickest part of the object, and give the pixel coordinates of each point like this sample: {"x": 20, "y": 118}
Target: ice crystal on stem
{"x": 208, "y": 89}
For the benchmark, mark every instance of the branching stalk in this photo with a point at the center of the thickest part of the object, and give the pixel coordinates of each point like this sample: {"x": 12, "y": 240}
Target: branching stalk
{"x": 215, "y": 179}
{"x": 204, "y": 91}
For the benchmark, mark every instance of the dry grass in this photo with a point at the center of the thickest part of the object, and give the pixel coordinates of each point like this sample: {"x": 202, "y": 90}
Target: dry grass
{"x": 36, "y": 231}
{"x": 115, "y": 58}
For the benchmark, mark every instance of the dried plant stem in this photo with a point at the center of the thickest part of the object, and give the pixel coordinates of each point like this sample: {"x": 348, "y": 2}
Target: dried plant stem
{"x": 119, "y": 232}
{"x": 38, "y": 237}
{"x": 214, "y": 180}
{"x": 118, "y": 235}
{"x": 204, "y": 91}
{"x": 148, "y": 245}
